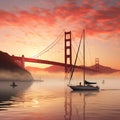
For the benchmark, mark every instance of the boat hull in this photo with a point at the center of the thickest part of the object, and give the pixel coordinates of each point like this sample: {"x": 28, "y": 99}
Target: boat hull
{"x": 83, "y": 88}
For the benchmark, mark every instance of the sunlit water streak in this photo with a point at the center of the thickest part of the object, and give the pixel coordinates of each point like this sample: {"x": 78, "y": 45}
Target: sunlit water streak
{"x": 51, "y": 99}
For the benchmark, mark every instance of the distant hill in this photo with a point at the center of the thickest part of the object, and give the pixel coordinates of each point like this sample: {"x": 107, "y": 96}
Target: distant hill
{"x": 29, "y": 68}
{"x": 48, "y": 69}
{"x": 90, "y": 69}
{"x": 104, "y": 69}
{"x": 11, "y": 70}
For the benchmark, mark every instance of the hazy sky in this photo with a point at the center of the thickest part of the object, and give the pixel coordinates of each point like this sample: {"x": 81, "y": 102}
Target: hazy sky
{"x": 29, "y": 26}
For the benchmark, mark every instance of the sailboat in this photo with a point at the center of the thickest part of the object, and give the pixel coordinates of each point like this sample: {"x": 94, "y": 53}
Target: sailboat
{"x": 86, "y": 84}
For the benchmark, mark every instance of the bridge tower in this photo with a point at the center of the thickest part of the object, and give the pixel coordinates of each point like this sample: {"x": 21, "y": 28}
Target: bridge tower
{"x": 97, "y": 64}
{"x": 20, "y": 61}
{"x": 68, "y": 52}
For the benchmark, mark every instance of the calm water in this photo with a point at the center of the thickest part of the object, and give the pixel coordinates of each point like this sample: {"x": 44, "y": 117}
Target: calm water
{"x": 53, "y": 100}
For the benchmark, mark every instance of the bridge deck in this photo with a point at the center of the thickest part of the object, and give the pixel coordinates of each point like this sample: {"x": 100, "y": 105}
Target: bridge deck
{"x": 33, "y": 60}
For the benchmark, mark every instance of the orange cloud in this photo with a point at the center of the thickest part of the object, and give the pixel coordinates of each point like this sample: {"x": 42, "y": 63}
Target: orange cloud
{"x": 26, "y": 17}
{"x": 106, "y": 21}
{"x": 87, "y": 15}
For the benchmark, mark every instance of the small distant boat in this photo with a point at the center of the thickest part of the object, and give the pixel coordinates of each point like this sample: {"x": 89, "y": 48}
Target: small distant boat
{"x": 86, "y": 85}
{"x": 13, "y": 84}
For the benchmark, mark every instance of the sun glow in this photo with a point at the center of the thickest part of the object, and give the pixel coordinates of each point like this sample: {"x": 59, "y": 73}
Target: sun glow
{"x": 29, "y": 30}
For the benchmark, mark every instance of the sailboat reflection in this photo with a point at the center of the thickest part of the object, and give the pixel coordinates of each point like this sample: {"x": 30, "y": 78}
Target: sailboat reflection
{"x": 7, "y": 92}
{"x": 75, "y": 104}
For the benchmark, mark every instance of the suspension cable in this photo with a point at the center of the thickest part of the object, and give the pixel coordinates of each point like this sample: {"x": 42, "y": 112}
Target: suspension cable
{"x": 50, "y": 45}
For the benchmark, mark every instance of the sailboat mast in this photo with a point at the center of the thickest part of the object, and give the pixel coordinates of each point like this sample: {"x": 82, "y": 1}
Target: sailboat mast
{"x": 84, "y": 57}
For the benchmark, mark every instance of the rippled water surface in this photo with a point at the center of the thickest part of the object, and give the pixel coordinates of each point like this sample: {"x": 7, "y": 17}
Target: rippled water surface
{"x": 53, "y": 100}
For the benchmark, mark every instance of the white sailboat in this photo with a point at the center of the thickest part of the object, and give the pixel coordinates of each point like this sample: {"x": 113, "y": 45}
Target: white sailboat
{"x": 86, "y": 85}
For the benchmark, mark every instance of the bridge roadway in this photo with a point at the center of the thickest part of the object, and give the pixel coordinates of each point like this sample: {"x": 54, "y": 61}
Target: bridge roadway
{"x": 33, "y": 60}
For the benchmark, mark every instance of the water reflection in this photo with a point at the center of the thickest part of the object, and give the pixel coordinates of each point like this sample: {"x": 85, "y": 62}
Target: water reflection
{"x": 84, "y": 95}
{"x": 7, "y": 92}
{"x": 68, "y": 105}
{"x": 53, "y": 100}
{"x": 75, "y": 109}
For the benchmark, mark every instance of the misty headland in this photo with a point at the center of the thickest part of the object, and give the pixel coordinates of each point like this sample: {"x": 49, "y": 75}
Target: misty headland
{"x": 10, "y": 70}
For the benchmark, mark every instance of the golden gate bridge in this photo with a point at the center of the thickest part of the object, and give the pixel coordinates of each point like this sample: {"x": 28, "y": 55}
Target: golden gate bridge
{"x": 67, "y": 55}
